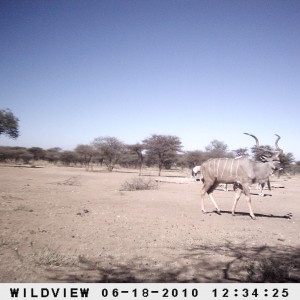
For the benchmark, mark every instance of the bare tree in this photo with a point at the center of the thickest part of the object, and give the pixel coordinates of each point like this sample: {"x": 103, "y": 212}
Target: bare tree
{"x": 163, "y": 147}
{"x": 9, "y": 124}
{"x": 111, "y": 149}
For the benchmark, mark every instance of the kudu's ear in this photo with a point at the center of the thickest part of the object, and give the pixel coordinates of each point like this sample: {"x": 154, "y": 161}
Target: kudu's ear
{"x": 263, "y": 158}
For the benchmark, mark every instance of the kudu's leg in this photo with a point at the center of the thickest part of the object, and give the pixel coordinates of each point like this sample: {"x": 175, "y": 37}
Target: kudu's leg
{"x": 214, "y": 202}
{"x": 269, "y": 185}
{"x": 207, "y": 187}
{"x": 237, "y": 196}
{"x": 203, "y": 192}
{"x": 261, "y": 186}
{"x": 210, "y": 192}
{"x": 248, "y": 198}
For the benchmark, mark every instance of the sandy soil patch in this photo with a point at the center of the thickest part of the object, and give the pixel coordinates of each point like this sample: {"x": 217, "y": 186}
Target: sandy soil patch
{"x": 68, "y": 225}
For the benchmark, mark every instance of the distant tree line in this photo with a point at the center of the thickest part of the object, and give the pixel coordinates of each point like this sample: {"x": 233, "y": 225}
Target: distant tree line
{"x": 163, "y": 151}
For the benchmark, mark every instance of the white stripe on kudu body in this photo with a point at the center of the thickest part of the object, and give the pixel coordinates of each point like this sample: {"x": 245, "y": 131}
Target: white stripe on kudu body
{"x": 224, "y": 167}
{"x": 241, "y": 170}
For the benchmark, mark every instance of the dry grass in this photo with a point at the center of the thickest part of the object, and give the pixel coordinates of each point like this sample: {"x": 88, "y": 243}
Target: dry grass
{"x": 50, "y": 258}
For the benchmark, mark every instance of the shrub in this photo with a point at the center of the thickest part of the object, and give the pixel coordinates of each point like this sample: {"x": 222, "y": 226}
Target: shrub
{"x": 138, "y": 184}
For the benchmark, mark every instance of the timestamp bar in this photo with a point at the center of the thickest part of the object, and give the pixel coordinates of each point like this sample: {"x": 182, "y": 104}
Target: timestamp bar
{"x": 150, "y": 291}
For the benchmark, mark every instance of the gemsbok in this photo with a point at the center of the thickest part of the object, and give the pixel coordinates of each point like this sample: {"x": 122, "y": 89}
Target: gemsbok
{"x": 240, "y": 171}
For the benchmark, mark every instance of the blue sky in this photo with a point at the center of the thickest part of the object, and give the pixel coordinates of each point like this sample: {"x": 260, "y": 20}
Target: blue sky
{"x": 72, "y": 71}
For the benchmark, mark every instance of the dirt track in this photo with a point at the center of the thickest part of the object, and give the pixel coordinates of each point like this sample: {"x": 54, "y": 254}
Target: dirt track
{"x": 68, "y": 225}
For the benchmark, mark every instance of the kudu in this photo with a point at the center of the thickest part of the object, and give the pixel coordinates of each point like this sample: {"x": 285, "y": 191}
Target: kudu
{"x": 240, "y": 171}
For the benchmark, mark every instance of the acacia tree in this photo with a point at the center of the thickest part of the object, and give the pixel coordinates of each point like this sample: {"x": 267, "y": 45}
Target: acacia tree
{"x": 286, "y": 162}
{"x": 68, "y": 157}
{"x": 9, "y": 124}
{"x": 217, "y": 149}
{"x": 37, "y": 152}
{"x": 241, "y": 152}
{"x": 111, "y": 149}
{"x": 86, "y": 153}
{"x": 194, "y": 158}
{"x": 138, "y": 150}
{"x": 53, "y": 154}
{"x": 163, "y": 147}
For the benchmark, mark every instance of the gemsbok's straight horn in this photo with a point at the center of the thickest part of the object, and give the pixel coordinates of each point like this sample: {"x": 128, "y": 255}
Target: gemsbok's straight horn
{"x": 240, "y": 171}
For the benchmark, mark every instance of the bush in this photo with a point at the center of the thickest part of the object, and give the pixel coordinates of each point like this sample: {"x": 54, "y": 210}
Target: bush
{"x": 139, "y": 184}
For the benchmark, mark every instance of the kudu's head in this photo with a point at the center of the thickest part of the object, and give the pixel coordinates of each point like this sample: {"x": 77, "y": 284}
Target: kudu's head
{"x": 273, "y": 157}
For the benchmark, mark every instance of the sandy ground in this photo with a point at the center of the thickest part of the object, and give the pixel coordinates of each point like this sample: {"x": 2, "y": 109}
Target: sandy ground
{"x": 68, "y": 225}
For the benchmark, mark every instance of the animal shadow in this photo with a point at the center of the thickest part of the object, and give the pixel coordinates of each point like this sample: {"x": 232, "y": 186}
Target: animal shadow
{"x": 286, "y": 216}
